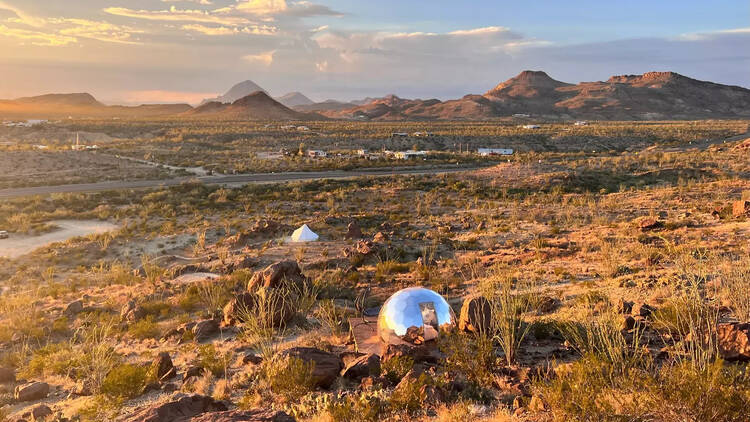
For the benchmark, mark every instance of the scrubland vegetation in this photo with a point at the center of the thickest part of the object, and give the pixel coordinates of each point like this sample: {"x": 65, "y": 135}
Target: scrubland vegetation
{"x": 614, "y": 284}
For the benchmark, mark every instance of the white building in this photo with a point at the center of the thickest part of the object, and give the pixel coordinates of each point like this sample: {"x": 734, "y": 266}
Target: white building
{"x": 407, "y": 155}
{"x": 486, "y": 152}
{"x": 422, "y": 134}
{"x": 316, "y": 153}
{"x": 531, "y": 126}
{"x": 581, "y": 123}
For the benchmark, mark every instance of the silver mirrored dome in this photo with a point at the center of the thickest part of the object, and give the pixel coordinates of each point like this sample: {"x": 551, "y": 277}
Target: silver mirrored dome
{"x": 414, "y": 315}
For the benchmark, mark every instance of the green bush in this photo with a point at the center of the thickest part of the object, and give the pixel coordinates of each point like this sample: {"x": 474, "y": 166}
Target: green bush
{"x": 145, "y": 328}
{"x": 212, "y": 360}
{"x": 396, "y": 368}
{"x": 125, "y": 381}
{"x": 288, "y": 377}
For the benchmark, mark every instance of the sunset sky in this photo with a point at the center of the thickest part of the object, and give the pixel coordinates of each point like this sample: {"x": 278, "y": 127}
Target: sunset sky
{"x": 133, "y": 51}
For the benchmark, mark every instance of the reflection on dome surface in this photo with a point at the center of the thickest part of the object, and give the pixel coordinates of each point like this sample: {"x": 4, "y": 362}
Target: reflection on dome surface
{"x": 414, "y": 315}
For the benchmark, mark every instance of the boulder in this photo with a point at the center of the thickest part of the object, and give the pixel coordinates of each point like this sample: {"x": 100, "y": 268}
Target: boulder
{"x": 73, "y": 308}
{"x": 326, "y": 366}
{"x": 476, "y": 314}
{"x": 7, "y": 375}
{"x": 650, "y": 224}
{"x": 233, "y": 311}
{"x": 163, "y": 367}
{"x": 353, "y": 231}
{"x": 734, "y": 341}
{"x": 365, "y": 247}
{"x": 741, "y": 209}
{"x": 37, "y": 413}
{"x": 642, "y": 309}
{"x": 254, "y": 415}
{"x": 31, "y": 391}
{"x": 627, "y": 323}
{"x": 205, "y": 328}
{"x": 276, "y": 274}
{"x": 363, "y": 366}
{"x": 182, "y": 409}
{"x": 380, "y": 237}
{"x": 132, "y": 311}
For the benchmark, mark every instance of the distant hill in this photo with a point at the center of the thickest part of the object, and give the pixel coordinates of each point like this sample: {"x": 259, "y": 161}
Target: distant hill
{"x": 651, "y": 96}
{"x": 256, "y": 106}
{"x": 242, "y": 89}
{"x": 80, "y": 105}
{"x": 294, "y": 99}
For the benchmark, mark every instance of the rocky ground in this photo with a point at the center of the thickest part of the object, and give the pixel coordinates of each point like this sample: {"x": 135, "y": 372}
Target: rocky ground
{"x": 592, "y": 288}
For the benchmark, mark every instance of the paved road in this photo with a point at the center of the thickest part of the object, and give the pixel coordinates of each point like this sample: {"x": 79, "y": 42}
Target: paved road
{"x": 233, "y": 180}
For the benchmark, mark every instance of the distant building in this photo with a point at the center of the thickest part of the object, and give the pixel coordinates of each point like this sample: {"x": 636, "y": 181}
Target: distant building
{"x": 303, "y": 128}
{"x": 581, "y": 123}
{"x": 521, "y": 115}
{"x": 422, "y": 134}
{"x": 485, "y": 152}
{"x": 531, "y": 126}
{"x": 399, "y": 135}
{"x": 407, "y": 155}
{"x": 316, "y": 153}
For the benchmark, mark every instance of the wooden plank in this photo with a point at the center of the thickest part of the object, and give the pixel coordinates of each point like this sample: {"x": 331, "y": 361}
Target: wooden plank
{"x": 365, "y": 333}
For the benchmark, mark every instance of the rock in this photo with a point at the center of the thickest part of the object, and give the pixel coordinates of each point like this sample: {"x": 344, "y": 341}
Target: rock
{"x": 163, "y": 367}
{"x": 73, "y": 308}
{"x": 353, "y": 231}
{"x": 132, "y": 312}
{"x": 365, "y": 247}
{"x": 649, "y": 224}
{"x": 251, "y": 359}
{"x": 37, "y": 413}
{"x": 7, "y": 375}
{"x": 235, "y": 309}
{"x": 734, "y": 341}
{"x": 31, "y": 391}
{"x": 628, "y": 323}
{"x": 193, "y": 371}
{"x": 546, "y": 304}
{"x": 476, "y": 314}
{"x": 327, "y": 366}
{"x": 623, "y": 306}
{"x": 642, "y": 309}
{"x": 182, "y": 409}
{"x": 276, "y": 274}
{"x": 427, "y": 353}
{"x": 205, "y": 328}
{"x": 254, "y": 415}
{"x": 363, "y": 366}
{"x": 279, "y": 305}
{"x": 380, "y": 237}
{"x": 368, "y": 383}
{"x": 741, "y": 209}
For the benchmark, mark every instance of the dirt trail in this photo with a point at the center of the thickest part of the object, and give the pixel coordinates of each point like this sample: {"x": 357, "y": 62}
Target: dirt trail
{"x": 17, "y": 245}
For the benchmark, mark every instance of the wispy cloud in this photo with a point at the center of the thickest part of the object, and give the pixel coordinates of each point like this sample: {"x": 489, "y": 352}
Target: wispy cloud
{"x": 265, "y": 58}
{"x": 177, "y": 15}
{"x": 225, "y": 30}
{"x": 22, "y": 17}
{"x": 37, "y": 37}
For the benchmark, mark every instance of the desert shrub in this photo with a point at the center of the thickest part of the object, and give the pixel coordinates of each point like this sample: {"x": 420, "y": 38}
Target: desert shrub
{"x": 410, "y": 395}
{"x": 156, "y": 308}
{"x": 472, "y": 356}
{"x": 367, "y": 406}
{"x": 331, "y": 316}
{"x": 289, "y": 377}
{"x": 145, "y": 328}
{"x": 396, "y": 367}
{"x": 52, "y": 359}
{"x": 213, "y": 360}
{"x": 125, "y": 381}
{"x": 734, "y": 277}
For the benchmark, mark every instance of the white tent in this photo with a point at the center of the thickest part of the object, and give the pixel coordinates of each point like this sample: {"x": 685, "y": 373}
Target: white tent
{"x": 304, "y": 234}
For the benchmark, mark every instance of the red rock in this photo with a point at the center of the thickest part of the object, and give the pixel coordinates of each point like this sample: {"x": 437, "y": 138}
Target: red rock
{"x": 741, "y": 209}
{"x": 363, "y": 366}
{"x": 734, "y": 341}
{"x": 163, "y": 367}
{"x": 326, "y": 366}
{"x": 255, "y": 415}
{"x": 31, "y": 391}
{"x": 275, "y": 274}
{"x": 205, "y": 328}
{"x": 648, "y": 224}
{"x": 181, "y": 409}
{"x": 234, "y": 310}
{"x": 476, "y": 314}
{"x": 353, "y": 231}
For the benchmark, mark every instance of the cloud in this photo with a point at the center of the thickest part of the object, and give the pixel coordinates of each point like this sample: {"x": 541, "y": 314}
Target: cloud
{"x": 23, "y": 17}
{"x": 299, "y": 9}
{"x": 203, "y": 2}
{"x": 101, "y": 31}
{"x": 177, "y": 15}
{"x": 265, "y": 59}
{"x": 37, "y": 37}
{"x": 224, "y": 30}
{"x": 262, "y": 7}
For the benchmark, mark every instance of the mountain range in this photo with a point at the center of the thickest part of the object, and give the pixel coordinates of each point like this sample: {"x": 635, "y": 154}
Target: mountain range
{"x": 650, "y": 96}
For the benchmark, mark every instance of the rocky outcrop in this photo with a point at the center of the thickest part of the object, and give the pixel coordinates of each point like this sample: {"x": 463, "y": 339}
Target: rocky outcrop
{"x": 476, "y": 314}
{"x": 276, "y": 274}
{"x": 31, "y": 391}
{"x": 163, "y": 367}
{"x": 132, "y": 311}
{"x": 182, "y": 409}
{"x": 353, "y": 231}
{"x": 326, "y": 366}
{"x": 734, "y": 341}
{"x": 255, "y": 415}
{"x": 363, "y": 366}
{"x": 235, "y": 310}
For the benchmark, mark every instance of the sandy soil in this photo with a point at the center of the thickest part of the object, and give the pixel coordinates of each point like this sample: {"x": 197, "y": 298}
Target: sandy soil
{"x": 17, "y": 245}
